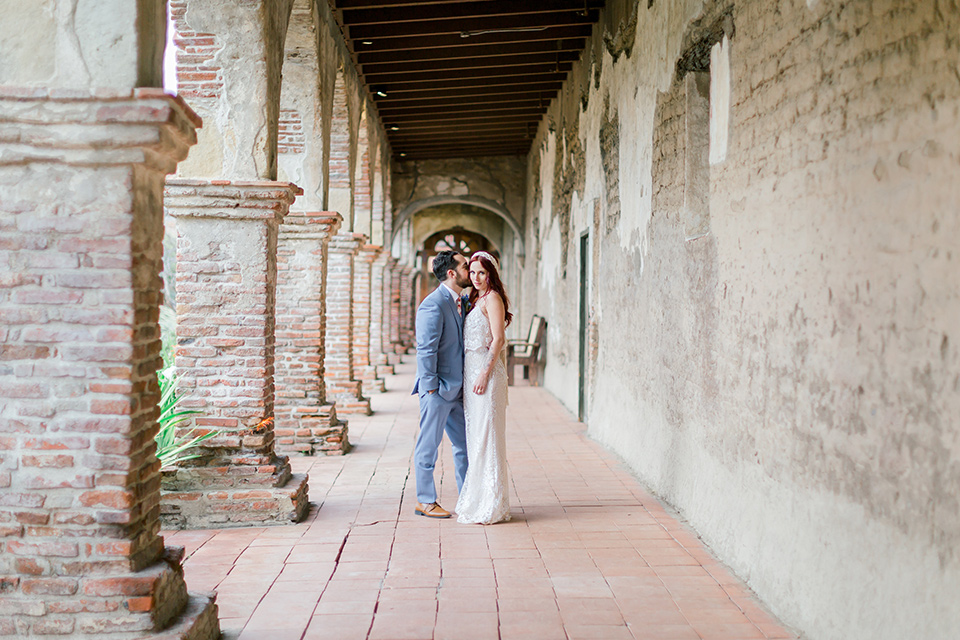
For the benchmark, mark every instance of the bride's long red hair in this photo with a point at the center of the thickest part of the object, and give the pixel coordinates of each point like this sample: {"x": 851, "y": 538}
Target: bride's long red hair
{"x": 493, "y": 284}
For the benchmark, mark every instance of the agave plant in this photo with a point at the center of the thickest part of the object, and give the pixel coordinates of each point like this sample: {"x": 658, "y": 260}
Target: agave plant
{"x": 170, "y": 448}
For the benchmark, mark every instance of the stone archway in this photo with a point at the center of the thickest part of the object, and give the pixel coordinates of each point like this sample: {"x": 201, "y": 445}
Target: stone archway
{"x": 457, "y": 239}
{"x": 495, "y": 208}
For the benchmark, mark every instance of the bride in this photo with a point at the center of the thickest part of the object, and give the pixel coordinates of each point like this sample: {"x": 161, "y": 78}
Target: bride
{"x": 484, "y": 498}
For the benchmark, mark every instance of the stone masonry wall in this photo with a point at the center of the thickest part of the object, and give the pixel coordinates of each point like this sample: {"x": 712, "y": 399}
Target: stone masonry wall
{"x": 788, "y": 376}
{"x": 80, "y": 250}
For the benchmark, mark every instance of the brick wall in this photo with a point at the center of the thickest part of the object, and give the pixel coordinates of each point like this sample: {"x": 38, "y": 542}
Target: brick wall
{"x": 226, "y": 287}
{"x": 305, "y": 421}
{"x": 290, "y": 137}
{"x": 379, "y": 314}
{"x": 363, "y": 369}
{"x": 198, "y": 72}
{"x": 342, "y": 386}
{"x": 406, "y": 311}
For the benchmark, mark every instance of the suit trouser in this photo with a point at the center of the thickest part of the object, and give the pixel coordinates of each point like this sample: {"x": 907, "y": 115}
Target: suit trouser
{"x": 436, "y": 416}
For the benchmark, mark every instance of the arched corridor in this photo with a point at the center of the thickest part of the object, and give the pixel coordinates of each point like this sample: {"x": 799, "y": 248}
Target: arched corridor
{"x": 588, "y": 552}
{"x": 736, "y": 220}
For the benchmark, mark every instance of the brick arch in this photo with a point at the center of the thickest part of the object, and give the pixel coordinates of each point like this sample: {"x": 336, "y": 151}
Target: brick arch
{"x": 477, "y": 201}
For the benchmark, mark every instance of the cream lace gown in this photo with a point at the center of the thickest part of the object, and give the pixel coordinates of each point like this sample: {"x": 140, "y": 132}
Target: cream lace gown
{"x": 485, "y": 498}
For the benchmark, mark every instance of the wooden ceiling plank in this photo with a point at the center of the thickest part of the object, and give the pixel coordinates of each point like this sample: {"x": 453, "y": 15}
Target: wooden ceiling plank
{"x": 456, "y": 40}
{"x": 452, "y": 156}
{"x": 464, "y": 100}
{"x": 420, "y": 129}
{"x": 460, "y": 86}
{"x": 503, "y": 116}
{"x": 570, "y": 45}
{"x": 534, "y": 73}
{"x": 413, "y": 67}
{"x": 463, "y": 107}
{"x": 425, "y": 96}
{"x": 460, "y": 11}
{"x": 363, "y": 32}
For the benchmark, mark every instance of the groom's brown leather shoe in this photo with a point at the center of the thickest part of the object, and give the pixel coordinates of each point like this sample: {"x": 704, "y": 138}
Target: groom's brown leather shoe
{"x": 432, "y": 510}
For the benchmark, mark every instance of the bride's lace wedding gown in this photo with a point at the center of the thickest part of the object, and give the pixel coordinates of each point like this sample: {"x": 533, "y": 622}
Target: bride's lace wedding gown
{"x": 485, "y": 497}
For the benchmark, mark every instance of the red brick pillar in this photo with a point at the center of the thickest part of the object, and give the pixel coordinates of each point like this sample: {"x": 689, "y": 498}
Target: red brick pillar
{"x": 379, "y": 315}
{"x": 391, "y": 310}
{"x": 226, "y": 288}
{"x": 342, "y": 387}
{"x": 305, "y": 421}
{"x": 407, "y": 310}
{"x": 80, "y": 250}
{"x": 363, "y": 369}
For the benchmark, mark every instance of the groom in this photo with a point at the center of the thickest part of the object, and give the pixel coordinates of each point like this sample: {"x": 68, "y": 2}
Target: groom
{"x": 440, "y": 378}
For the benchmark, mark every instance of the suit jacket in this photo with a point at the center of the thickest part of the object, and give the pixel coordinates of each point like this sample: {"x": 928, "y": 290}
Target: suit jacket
{"x": 439, "y": 346}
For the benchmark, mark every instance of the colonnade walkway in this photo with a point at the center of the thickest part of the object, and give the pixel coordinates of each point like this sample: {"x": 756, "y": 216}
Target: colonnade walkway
{"x": 588, "y": 554}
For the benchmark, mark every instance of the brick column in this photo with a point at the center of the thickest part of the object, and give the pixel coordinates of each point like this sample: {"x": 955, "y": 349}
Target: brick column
{"x": 407, "y": 327}
{"x": 379, "y": 314}
{"x": 363, "y": 369}
{"x": 80, "y": 250}
{"x": 226, "y": 287}
{"x": 338, "y": 357}
{"x": 305, "y": 421}
{"x": 391, "y": 295}
{"x": 395, "y": 331}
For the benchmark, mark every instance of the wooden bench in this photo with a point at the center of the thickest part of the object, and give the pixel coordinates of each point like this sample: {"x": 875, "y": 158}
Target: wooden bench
{"x": 527, "y": 352}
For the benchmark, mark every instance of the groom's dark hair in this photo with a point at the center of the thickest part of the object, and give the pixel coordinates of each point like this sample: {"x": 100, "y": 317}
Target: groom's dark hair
{"x": 443, "y": 262}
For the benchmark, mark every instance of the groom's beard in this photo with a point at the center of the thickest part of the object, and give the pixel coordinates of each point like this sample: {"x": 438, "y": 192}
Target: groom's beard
{"x": 463, "y": 283}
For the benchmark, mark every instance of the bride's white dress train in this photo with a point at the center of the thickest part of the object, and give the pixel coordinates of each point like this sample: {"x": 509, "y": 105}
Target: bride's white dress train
{"x": 485, "y": 496}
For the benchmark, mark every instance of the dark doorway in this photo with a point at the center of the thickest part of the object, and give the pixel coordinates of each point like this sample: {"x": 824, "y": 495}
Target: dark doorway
{"x": 584, "y": 324}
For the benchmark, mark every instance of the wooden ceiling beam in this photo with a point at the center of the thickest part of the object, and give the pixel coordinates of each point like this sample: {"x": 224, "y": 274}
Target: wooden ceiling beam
{"x": 569, "y": 45}
{"x": 456, "y": 40}
{"x": 459, "y": 144}
{"x": 440, "y": 110}
{"x": 460, "y": 86}
{"x": 387, "y": 105}
{"x": 426, "y": 96}
{"x": 424, "y": 129}
{"x": 476, "y": 62}
{"x": 469, "y": 154}
{"x": 533, "y": 73}
{"x": 471, "y": 26}
{"x": 526, "y": 112}
{"x": 462, "y": 11}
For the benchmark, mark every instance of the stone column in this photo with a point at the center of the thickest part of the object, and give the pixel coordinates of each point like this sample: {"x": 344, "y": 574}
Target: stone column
{"x": 80, "y": 249}
{"x": 379, "y": 315}
{"x": 305, "y": 421}
{"x": 342, "y": 387}
{"x": 226, "y": 288}
{"x": 407, "y": 327}
{"x": 363, "y": 369}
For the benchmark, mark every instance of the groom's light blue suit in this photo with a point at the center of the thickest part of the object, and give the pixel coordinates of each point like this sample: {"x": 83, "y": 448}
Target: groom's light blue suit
{"x": 440, "y": 368}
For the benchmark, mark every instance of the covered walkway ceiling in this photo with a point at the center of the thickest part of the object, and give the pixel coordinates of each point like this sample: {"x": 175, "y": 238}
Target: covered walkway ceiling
{"x": 458, "y": 79}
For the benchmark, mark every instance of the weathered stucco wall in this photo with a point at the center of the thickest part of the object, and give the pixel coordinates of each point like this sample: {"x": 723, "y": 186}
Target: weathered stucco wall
{"x": 772, "y": 336}
{"x": 233, "y": 83}
{"x": 69, "y": 44}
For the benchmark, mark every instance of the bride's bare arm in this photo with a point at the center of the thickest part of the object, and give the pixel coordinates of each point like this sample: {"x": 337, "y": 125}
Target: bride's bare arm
{"x": 493, "y": 309}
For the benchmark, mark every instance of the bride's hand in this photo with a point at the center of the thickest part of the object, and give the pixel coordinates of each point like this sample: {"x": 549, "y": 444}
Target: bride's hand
{"x": 480, "y": 385}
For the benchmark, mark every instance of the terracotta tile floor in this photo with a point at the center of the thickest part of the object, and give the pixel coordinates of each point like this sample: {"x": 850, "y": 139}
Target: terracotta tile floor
{"x": 588, "y": 554}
